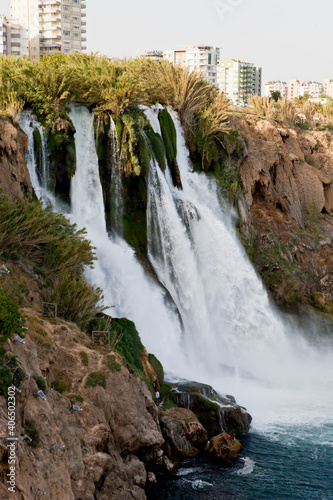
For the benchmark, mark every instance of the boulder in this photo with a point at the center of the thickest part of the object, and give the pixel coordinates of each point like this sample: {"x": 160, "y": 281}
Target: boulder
{"x": 224, "y": 448}
{"x": 215, "y": 412}
{"x": 183, "y": 433}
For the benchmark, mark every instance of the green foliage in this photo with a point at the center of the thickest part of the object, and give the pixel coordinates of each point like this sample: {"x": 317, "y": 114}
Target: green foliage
{"x": 10, "y": 319}
{"x": 32, "y": 432}
{"x": 84, "y": 358}
{"x": 112, "y": 364}
{"x": 158, "y": 148}
{"x": 228, "y": 175}
{"x": 276, "y": 95}
{"x": 40, "y": 382}
{"x": 96, "y": 378}
{"x": 76, "y": 299}
{"x": 304, "y": 126}
{"x": 169, "y": 136}
{"x": 60, "y": 385}
{"x": 130, "y": 345}
{"x": 48, "y": 240}
{"x": 158, "y": 368}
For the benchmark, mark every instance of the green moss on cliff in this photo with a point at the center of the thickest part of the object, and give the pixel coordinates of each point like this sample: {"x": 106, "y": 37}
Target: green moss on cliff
{"x": 61, "y": 147}
{"x": 130, "y": 345}
{"x": 158, "y": 148}
{"x": 169, "y": 135}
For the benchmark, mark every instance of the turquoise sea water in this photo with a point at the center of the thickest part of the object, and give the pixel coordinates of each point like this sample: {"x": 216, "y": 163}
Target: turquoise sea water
{"x": 283, "y": 466}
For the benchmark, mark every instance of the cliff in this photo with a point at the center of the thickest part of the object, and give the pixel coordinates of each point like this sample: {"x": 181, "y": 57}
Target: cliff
{"x": 14, "y": 176}
{"x": 286, "y": 208}
{"x": 115, "y": 445}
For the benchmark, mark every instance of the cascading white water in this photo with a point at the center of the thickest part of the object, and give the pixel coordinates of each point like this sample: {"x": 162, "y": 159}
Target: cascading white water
{"x": 232, "y": 338}
{"x": 40, "y": 182}
{"x": 116, "y": 182}
{"x": 117, "y": 272}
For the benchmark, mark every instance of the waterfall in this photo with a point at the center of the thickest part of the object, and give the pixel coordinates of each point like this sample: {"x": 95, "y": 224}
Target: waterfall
{"x": 39, "y": 179}
{"x": 233, "y": 338}
{"x": 116, "y": 182}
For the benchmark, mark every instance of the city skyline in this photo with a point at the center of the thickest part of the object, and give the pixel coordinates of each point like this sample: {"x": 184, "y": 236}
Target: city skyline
{"x": 291, "y": 43}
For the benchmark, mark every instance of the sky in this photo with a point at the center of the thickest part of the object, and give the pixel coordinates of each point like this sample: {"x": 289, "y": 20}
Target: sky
{"x": 288, "y": 38}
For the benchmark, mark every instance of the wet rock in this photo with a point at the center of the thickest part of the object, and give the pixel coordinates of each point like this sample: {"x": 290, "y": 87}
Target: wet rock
{"x": 215, "y": 412}
{"x": 183, "y": 433}
{"x": 224, "y": 448}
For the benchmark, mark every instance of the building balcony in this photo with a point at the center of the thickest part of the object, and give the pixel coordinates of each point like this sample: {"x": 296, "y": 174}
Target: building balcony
{"x": 83, "y": 23}
{"x": 50, "y": 44}
{"x": 83, "y": 31}
{"x": 83, "y": 14}
{"x": 49, "y": 19}
{"x": 49, "y": 2}
{"x": 83, "y": 47}
{"x": 45, "y": 38}
{"x": 83, "y": 38}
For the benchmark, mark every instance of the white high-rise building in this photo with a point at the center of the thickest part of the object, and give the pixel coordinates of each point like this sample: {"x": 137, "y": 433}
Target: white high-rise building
{"x": 239, "y": 80}
{"x": 13, "y": 38}
{"x": 53, "y": 26}
{"x": 277, "y": 86}
{"x": 203, "y": 58}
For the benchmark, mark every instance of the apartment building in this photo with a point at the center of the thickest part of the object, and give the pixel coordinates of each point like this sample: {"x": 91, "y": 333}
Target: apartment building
{"x": 53, "y": 26}
{"x": 155, "y": 55}
{"x": 328, "y": 87}
{"x": 297, "y": 89}
{"x": 13, "y": 38}
{"x": 276, "y": 86}
{"x": 203, "y": 58}
{"x": 239, "y": 80}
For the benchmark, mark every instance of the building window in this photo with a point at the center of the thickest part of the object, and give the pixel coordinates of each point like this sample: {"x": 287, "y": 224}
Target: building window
{"x": 66, "y": 7}
{"x": 67, "y": 33}
{"x": 76, "y": 34}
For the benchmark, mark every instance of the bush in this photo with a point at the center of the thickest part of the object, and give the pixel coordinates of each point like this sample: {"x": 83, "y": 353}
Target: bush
{"x": 96, "y": 378}
{"x": 112, "y": 364}
{"x": 10, "y": 319}
{"x": 60, "y": 386}
{"x": 84, "y": 358}
{"x": 40, "y": 382}
{"x": 32, "y": 432}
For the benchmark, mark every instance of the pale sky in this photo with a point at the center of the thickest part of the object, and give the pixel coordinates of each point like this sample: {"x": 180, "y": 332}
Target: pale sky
{"x": 288, "y": 38}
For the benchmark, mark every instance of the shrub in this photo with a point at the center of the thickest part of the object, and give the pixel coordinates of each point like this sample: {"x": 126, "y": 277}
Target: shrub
{"x": 10, "y": 319}
{"x": 40, "y": 382}
{"x": 32, "y": 432}
{"x": 60, "y": 386}
{"x": 96, "y": 378}
{"x": 84, "y": 358}
{"x": 112, "y": 364}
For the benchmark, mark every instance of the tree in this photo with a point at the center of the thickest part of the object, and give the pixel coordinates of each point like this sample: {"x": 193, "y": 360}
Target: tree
{"x": 276, "y": 95}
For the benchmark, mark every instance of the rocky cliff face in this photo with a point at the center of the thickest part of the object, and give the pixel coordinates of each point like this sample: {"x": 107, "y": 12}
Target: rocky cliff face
{"x": 286, "y": 210}
{"x": 14, "y": 176}
{"x": 109, "y": 450}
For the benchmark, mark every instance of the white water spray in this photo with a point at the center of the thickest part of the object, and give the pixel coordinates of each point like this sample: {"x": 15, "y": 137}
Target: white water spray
{"x": 233, "y": 338}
